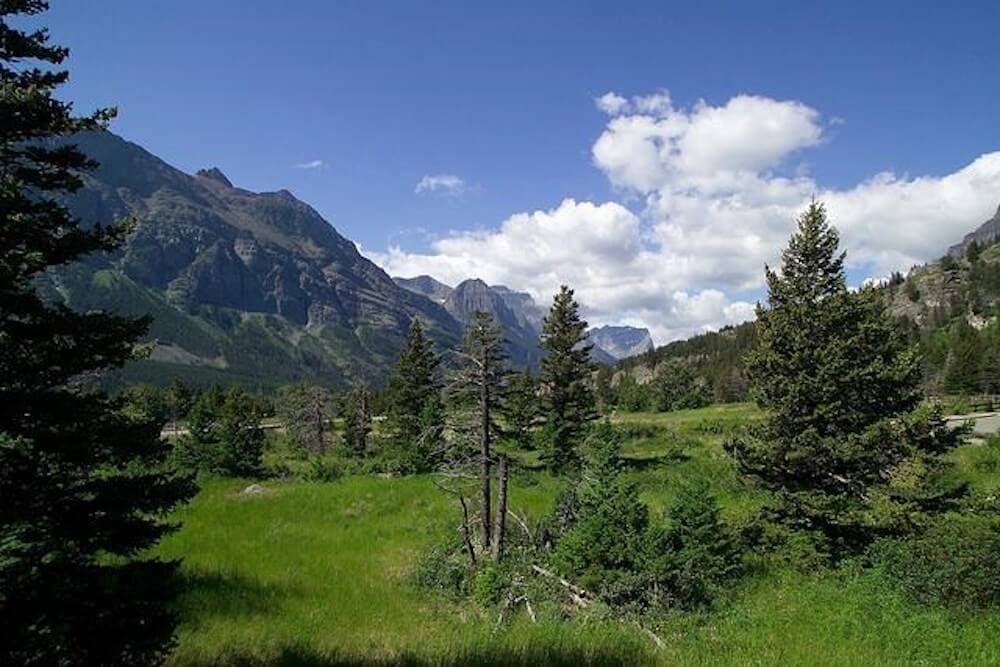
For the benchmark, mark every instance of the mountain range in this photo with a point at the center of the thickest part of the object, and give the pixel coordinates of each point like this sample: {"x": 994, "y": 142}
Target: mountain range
{"x": 521, "y": 318}
{"x": 255, "y": 288}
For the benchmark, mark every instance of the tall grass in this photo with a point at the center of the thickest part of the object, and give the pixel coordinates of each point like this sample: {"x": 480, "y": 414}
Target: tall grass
{"x": 317, "y": 574}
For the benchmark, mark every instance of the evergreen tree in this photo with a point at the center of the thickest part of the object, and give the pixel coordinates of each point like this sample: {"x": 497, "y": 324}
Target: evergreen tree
{"x": 608, "y": 534}
{"x": 199, "y": 450}
{"x": 695, "y": 553}
{"x": 962, "y": 373}
{"x": 843, "y": 447}
{"x": 358, "y": 420}
{"x": 480, "y": 386}
{"x": 240, "y": 435}
{"x": 973, "y": 252}
{"x": 415, "y": 412}
{"x": 567, "y": 400}
{"x": 84, "y": 492}
{"x": 521, "y": 410}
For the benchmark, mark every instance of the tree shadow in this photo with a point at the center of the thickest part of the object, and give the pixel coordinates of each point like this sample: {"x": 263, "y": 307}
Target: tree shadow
{"x": 484, "y": 656}
{"x": 223, "y": 594}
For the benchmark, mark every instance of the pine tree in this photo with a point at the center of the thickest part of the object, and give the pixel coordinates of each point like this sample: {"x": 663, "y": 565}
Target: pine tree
{"x": 358, "y": 420}
{"x": 567, "y": 401}
{"x": 240, "y": 435}
{"x": 695, "y": 553}
{"x": 415, "y": 414}
{"x": 479, "y": 385}
{"x": 963, "y": 368}
{"x": 844, "y": 448}
{"x": 199, "y": 450}
{"x": 521, "y": 409}
{"x": 84, "y": 492}
{"x": 973, "y": 251}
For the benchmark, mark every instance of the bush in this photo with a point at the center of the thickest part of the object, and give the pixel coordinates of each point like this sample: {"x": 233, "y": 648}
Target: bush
{"x": 443, "y": 570}
{"x": 696, "y": 554}
{"x": 324, "y": 469}
{"x": 956, "y": 562}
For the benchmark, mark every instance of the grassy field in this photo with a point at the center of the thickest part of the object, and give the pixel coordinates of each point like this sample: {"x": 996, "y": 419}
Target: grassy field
{"x": 316, "y": 574}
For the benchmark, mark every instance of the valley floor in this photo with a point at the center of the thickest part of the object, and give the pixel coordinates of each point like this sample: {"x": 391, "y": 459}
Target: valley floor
{"x": 316, "y": 574}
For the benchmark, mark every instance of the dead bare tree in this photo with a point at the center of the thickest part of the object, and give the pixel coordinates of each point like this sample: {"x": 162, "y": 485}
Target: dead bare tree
{"x": 476, "y": 392}
{"x": 500, "y": 525}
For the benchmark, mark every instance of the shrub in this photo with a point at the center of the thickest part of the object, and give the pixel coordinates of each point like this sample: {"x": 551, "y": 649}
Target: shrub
{"x": 956, "y": 562}
{"x": 444, "y": 571}
{"x": 696, "y": 554}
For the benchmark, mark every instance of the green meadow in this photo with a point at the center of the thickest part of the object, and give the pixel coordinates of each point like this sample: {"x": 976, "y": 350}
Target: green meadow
{"x": 318, "y": 574}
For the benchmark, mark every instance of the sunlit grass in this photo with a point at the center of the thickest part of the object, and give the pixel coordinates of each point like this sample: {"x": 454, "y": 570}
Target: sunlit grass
{"x": 314, "y": 573}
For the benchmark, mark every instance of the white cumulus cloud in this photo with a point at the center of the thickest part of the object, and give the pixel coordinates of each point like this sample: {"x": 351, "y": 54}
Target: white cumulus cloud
{"x": 312, "y": 164}
{"x": 719, "y": 188}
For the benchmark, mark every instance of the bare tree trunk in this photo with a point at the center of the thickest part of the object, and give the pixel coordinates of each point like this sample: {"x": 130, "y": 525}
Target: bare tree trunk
{"x": 465, "y": 530}
{"x": 500, "y": 537}
{"x": 484, "y": 454}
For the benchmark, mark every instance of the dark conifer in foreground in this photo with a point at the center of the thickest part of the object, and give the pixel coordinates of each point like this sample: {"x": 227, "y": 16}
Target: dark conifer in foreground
{"x": 415, "y": 412}
{"x": 844, "y": 447}
{"x": 567, "y": 400}
{"x": 83, "y": 488}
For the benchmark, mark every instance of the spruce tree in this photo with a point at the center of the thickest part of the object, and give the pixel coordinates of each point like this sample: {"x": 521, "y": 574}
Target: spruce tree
{"x": 478, "y": 389}
{"x": 240, "y": 436}
{"x": 84, "y": 492}
{"x": 567, "y": 401}
{"x": 520, "y": 411}
{"x": 844, "y": 448}
{"x": 415, "y": 414}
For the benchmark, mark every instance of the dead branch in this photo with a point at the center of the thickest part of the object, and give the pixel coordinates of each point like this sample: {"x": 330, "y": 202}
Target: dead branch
{"x": 521, "y": 522}
{"x": 580, "y": 596}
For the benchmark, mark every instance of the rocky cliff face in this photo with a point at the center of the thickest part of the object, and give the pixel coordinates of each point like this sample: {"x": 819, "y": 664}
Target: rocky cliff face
{"x": 474, "y": 295}
{"x": 212, "y": 250}
{"x": 988, "y": 232}
{"x": 620, "y": 342}
{"x": 429, "y": 287}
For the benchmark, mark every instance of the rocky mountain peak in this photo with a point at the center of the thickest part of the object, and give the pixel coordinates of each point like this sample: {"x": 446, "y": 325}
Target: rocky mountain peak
{"x": 214, "y": 174}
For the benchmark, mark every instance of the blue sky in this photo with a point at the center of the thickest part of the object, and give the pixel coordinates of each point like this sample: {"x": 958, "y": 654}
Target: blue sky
{"x": 502, "y": 96}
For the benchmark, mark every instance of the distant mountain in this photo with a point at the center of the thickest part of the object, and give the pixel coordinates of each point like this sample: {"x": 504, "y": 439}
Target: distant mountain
{"x": 474, "y": 295}
{"x": 988, "y": 232}
{"x": 620, "y": 342}
{"x": 529, "y": 314}
{"x": 243, "y": 286}
{"x": 429, "y": 287}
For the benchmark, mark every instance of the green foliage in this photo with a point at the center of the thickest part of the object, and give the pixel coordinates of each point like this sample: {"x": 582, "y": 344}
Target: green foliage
{"x": 415, "y": 412}
{"x": 224, "y": 435}
{"x": 674, "y": 387}
{"x": 567, "y": 402}
{"x": 240, "y": 435}
{"x": 844, "y": 449}
{"x": 695, "y": 554}
{"x": 520, "y": 413}
{"x": 84, "y": 492}
{"x": 444, "y": 570}
{"x": 973, "y": 252}
{"x": 611, "y": 521}
{"x": 956, "y": 562}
